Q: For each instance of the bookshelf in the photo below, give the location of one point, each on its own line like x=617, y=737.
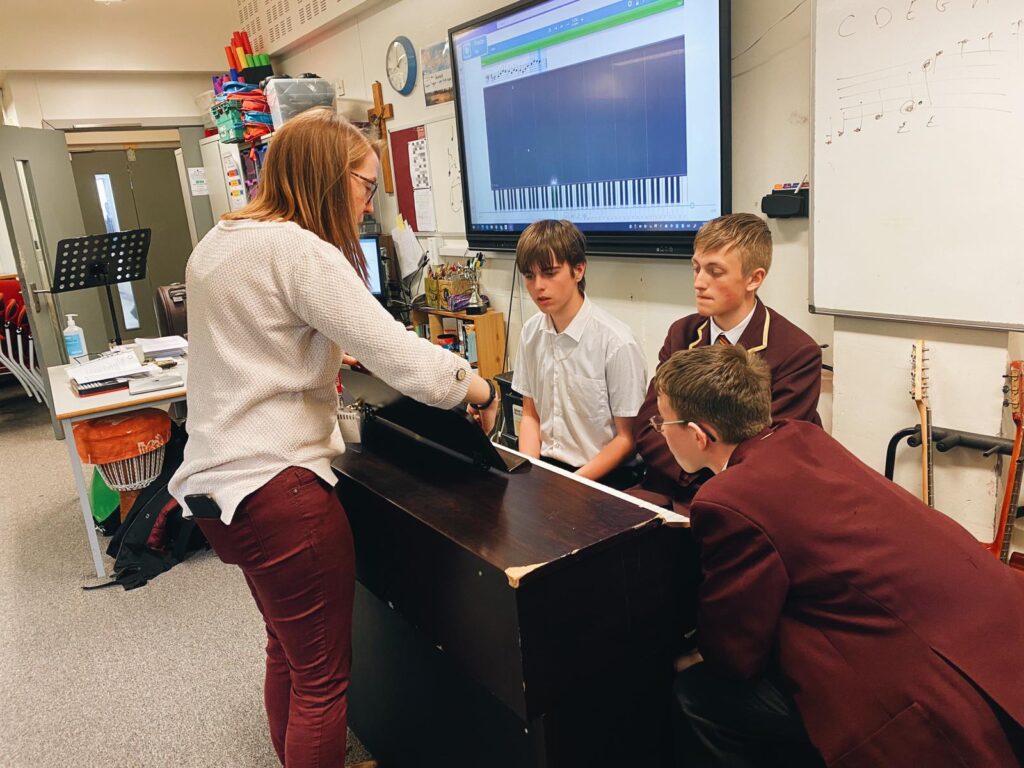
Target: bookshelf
x=490, y=335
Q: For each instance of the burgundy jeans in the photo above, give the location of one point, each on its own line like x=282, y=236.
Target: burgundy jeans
x=292, y=540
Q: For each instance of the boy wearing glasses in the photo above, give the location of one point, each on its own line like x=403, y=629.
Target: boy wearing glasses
x=732, y=256
x=827, y=634
x=580, y=370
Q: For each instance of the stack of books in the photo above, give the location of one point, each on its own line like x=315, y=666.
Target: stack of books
x=108, y=373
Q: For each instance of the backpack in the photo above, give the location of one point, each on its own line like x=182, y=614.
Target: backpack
x=154, y=537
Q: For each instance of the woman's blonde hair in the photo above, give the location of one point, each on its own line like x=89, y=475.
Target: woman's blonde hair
x=305, y=179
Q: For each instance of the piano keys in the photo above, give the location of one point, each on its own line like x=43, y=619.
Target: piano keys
x=620, y=193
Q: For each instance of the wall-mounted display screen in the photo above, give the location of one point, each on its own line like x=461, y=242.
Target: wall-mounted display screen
x=613, y=114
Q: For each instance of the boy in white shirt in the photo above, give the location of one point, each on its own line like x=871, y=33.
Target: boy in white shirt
x=580, y=370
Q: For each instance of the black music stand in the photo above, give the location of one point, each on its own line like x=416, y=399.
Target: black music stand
x=101, y=260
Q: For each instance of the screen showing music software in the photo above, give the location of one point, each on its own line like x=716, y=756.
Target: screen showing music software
x=604, y=113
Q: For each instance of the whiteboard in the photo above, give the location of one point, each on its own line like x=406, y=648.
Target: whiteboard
x=918, y=160
x=446, y=176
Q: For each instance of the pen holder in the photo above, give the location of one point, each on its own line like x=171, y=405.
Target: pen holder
x=350, y=422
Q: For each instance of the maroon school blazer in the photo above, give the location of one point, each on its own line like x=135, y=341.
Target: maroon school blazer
x=795, y=362
x=894, y=627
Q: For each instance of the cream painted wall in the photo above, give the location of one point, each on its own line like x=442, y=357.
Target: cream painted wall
x=771, y=122
x=872, y=401
x=43, y=97
x=648, y=293
x=7, y=264
x=134, y=36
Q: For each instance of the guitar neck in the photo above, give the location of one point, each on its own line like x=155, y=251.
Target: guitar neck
x=927, y=455
x=1009, y=511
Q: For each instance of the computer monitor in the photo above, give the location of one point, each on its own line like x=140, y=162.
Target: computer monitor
x=374, y=265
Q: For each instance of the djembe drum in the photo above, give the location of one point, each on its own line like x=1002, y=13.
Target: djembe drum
x=127, y=449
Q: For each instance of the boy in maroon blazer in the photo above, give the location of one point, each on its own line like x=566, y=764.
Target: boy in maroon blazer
x=891, y=629
x=732, y=256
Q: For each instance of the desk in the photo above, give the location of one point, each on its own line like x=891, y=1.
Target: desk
x=512, y=621
x=69, y=408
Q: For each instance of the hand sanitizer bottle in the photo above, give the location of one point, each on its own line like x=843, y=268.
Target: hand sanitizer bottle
x=74, y=339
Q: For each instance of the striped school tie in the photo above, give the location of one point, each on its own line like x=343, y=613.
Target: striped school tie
x=723, y=340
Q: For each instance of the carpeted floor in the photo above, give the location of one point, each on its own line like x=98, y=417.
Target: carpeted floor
x=170, y=674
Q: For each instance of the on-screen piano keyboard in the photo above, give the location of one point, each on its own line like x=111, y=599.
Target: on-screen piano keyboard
x=654, y=190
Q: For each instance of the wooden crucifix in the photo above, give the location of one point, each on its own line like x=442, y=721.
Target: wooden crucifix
x=379, y=116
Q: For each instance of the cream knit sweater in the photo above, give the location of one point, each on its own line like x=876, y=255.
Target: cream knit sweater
x=270, y=309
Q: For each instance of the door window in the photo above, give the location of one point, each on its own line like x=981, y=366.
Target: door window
x=109, y=210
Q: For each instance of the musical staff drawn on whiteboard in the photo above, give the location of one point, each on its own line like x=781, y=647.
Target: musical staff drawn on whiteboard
x=913, y=93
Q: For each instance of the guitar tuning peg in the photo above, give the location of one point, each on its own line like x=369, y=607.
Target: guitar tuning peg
x=1006, y=388
x=1006, y=402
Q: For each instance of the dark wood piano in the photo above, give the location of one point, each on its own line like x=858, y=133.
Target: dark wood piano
x=522, y=619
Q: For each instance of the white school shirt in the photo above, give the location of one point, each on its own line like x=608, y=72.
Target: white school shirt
x=579, y=380
x=733, y=334
x=270, y=308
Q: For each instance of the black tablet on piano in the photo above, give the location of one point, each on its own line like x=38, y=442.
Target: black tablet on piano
x=452, y=431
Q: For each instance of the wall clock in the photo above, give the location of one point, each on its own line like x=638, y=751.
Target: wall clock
x=401, y=65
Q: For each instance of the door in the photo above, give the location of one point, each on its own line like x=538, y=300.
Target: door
x=37, y=191
x=121, y=190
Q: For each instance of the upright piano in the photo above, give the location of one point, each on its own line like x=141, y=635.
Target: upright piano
x=524, y=619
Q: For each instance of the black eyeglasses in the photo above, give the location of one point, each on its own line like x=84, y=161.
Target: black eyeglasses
x=371, y=185
x=658, y=425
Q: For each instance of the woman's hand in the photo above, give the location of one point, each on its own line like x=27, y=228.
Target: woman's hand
x=352, y=363
x=485, y=417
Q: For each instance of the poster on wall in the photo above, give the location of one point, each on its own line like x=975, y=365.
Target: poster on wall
x=197, y=181
x=423, y=195
x=437, y=74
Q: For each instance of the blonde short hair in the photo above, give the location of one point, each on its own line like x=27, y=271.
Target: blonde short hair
x=747, y=233
x=724, y=386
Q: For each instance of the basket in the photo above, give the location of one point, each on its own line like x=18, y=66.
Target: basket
x=135, y=473
x=227, y=115
x=350, y=422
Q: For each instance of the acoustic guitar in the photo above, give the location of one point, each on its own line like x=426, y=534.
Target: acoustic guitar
x=1008, y=510
x=919, y=391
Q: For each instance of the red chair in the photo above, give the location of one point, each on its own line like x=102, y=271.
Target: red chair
x=7, y=366
x=27, y=350
x=12, y=353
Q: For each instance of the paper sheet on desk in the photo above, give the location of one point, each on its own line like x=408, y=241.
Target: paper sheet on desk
x=117, y=365
x=408, y=248
x=162, y=344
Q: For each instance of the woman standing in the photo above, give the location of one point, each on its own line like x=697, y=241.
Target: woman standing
x=276, y=292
